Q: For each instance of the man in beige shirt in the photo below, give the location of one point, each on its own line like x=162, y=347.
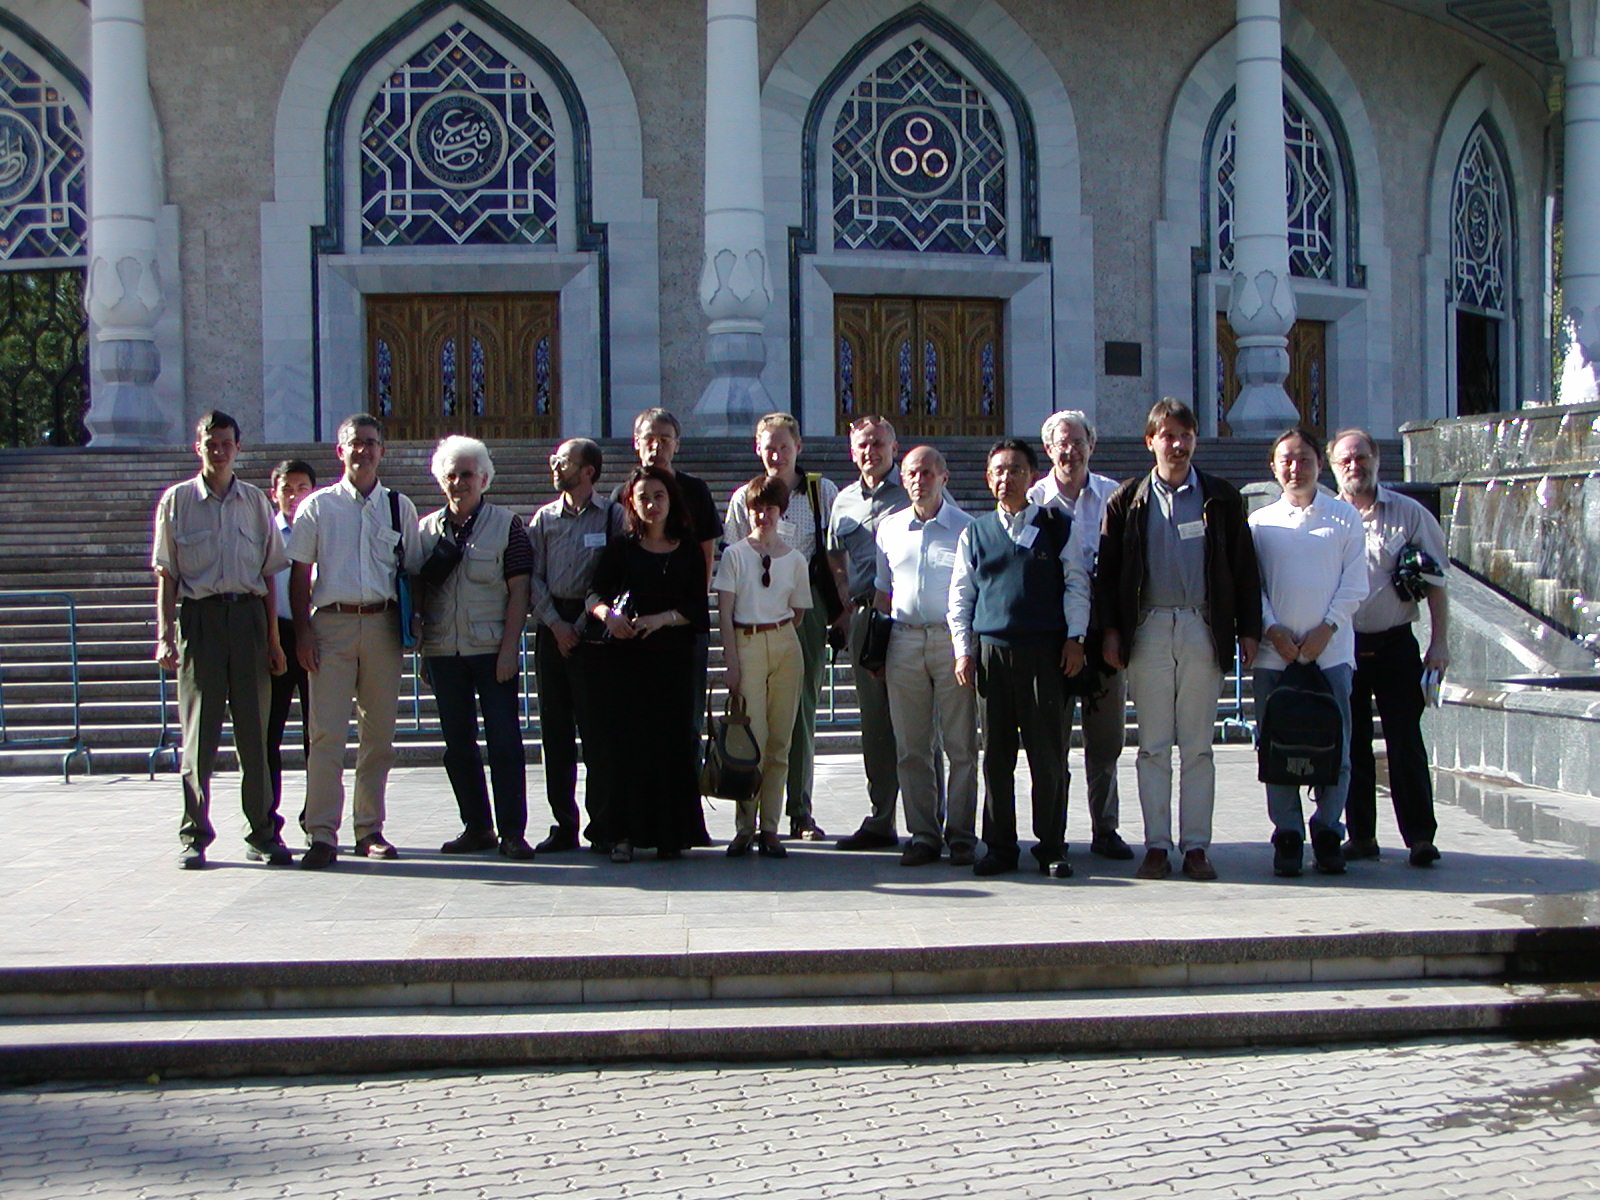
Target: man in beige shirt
x=347, y=634
x=215, y=551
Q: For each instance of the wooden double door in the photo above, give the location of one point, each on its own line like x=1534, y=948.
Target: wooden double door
x=482, y=364
x=1307, y=384
x=933, y=366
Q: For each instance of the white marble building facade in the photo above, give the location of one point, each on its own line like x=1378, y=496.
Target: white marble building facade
x=701, y=188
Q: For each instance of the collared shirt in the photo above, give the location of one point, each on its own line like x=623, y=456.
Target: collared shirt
x=1393, y=522
x=916, y=559
x=798, y=528
x=1313, y=568
x=1175, y=545
x=964, y=586
x=567, y=543
x=212, y=544
x=351, y=541
x=853, y=526
x=1089, y=508
x=280, y=581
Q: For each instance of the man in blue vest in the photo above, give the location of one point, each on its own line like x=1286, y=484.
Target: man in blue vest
x=1019, y=609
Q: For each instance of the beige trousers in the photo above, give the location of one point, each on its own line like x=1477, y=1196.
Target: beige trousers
x=360, y=660
x=770, y=674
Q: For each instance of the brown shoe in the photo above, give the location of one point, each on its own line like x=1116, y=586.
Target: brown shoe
x=1197, y=866
x=375, y=845
x=1156, y=865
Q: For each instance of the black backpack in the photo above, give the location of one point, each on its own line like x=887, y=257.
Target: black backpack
x=1299, y=735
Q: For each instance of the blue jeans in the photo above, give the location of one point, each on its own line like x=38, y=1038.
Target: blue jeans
x=464, y=684
x=1283, y=800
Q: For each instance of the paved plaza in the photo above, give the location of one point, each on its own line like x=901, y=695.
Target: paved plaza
x=1455, y=1118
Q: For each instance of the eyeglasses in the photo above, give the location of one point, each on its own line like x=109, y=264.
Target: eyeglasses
x=560, y=460
x=766, y=570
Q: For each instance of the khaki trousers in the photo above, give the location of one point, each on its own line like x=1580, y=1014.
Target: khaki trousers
x=360, y=660
x=931, y=710
x=770, y=673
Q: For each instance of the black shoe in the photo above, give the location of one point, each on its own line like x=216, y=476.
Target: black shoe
x=768, y=846
x=602, y=847
x=516, y=848
x=470, y=842
x=1110, y=845
x=806, y=830
x=962, y=856
x=919, y=854
x=558, y=841
x=274, y=855
x=375, y=845
x=191, y=858
x=863, y=839
x=993, y=864
x=1424, y=854
x=1288, y=854
x=319, y=856
x=668, y=854
x=1361, y=848
x=1325, y=853
x=1061, y=870
x=740, y=846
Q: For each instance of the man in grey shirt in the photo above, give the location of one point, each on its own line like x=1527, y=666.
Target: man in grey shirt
x=853, y=551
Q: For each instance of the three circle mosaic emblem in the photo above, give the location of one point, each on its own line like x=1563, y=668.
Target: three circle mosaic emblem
x=458, y=140
x=919, y=152
x=21, y=156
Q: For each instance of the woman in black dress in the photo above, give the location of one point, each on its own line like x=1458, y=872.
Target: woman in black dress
x=650, y=590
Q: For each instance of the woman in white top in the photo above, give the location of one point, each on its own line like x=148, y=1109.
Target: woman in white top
x=763, y=592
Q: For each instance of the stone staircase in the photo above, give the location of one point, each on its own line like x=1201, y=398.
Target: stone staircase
x=85, y=520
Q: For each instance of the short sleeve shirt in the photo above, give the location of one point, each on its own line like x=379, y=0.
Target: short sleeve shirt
x=213, y=545
x=1394, y=522
x=755, y=603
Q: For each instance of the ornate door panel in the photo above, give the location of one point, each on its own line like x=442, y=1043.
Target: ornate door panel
x=1307, y=384
x=931, y=365
x=478, y=364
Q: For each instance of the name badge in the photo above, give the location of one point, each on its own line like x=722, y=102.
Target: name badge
x=1396, y=542
x=594, y=541
x=1189, y=530
x=1028, y=536
x=786, y=529
x=939, y=556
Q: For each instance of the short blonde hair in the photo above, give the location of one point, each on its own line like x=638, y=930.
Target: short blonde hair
x=779, y=420
x=456, y=447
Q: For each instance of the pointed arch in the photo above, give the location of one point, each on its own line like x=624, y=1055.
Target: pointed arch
x=1046, y=275
x=314, y=273
x=1190, y=288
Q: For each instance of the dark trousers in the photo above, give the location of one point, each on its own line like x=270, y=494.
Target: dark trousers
x=222, y=673
x=464, y=686
x=878, y=752
x=570, y=708
x=285, y=687
x=1389, y=675
x=1023, y=698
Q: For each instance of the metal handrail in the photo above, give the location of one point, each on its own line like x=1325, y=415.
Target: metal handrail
x=74, y=740
x=171, y=738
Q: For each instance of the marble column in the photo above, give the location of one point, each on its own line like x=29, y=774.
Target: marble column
x=735, y=284
x=1579, y=27
x=1262, y=307
x=124, y=292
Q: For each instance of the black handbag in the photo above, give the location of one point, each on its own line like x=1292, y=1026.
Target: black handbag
x=874, y=652
x=819, y=569
x=1300, y=734
x=732, y=768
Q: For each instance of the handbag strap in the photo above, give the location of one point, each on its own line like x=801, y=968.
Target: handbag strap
x=394, y=521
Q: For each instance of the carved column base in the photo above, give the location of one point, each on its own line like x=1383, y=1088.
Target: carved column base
x=735, y=398
x=1263, y=408
x=124, y=409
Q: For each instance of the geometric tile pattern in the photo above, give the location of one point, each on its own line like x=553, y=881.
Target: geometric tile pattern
x=919, y=161
x=1478, y=227
x=1309, y=190
x=458, y=149
x=43, y=201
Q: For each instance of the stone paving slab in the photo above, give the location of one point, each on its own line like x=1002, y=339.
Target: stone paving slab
x=96, y=882
x=1415, y=1121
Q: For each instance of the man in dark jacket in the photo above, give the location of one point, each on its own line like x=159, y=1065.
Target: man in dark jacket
x=1175, y=586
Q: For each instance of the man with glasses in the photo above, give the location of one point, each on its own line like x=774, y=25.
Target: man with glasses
x=1389, y=665
x=568, y=536
x=346, y=543
x=1069, y=439
x=1019, y=609
x=853, y=552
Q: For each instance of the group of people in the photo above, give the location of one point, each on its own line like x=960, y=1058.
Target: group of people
x=1073, y=595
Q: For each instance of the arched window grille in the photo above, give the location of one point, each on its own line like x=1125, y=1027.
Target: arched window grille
x=458, y=148
x=1311, y=188
x=1478, y=239
x=919, y=161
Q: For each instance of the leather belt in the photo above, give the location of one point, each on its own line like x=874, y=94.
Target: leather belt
x=225, y=598
x=764, y=627
x=358, y=610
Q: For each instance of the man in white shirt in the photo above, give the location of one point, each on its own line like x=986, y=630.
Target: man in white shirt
x=1312, y=556
x=355, y=534
x=1019, y=609
x=292, y=481
x=1389, y=665
x=1069, y=440
x=928, y=708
